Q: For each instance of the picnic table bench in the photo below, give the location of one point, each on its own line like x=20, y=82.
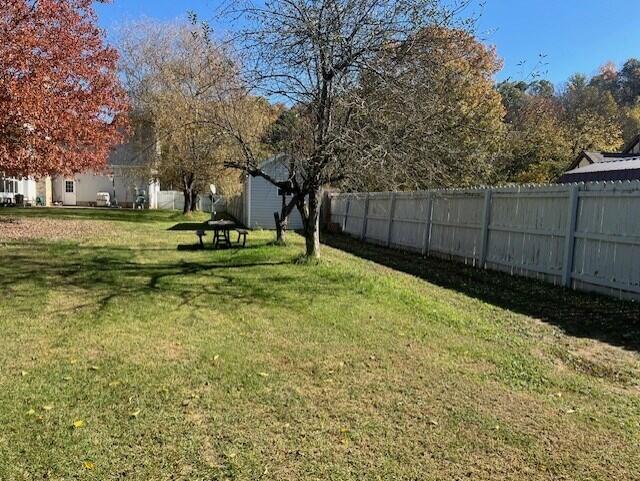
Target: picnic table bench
x=222, y=233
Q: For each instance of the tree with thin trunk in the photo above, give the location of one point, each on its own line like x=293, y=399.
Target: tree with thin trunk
x=177, y=77
x=313, y=54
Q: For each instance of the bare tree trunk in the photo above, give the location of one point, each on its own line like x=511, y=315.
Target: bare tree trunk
x=311, y=219
x=186, y=209
x=281, y=227
x=282, y=218
x=282, y=221
x=194, y=200
x=188, y=191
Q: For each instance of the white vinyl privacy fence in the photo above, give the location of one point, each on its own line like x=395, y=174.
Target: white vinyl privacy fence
x=174, y=200
x=584, y=236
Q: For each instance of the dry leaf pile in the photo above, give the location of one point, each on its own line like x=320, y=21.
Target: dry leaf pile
x=17, y=229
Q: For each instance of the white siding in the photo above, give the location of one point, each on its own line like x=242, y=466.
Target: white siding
x=123, y=186
x=26, y=187
x=88, y=186
x=264, y=199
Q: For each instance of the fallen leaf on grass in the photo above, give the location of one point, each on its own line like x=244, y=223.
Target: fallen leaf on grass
x=31, y=412
x=79, y=423
x=89, y=465
x=48, y=407
x=23, y=373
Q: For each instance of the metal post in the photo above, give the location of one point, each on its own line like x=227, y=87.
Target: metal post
x=365, y=214
x=392, y=208
x=484, y=231
x=569, y=245
x=427, y=227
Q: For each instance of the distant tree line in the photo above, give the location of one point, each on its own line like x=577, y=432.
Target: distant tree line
x=443, y=121
x=546, y=129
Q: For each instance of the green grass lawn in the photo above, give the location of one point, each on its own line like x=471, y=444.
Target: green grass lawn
x=123, y=356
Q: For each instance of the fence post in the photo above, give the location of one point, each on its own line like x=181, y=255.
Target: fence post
x=427, y=227
x=365, y=214
x=392, y=208
x=346, y=214
x=569, y=244
x=484, y=230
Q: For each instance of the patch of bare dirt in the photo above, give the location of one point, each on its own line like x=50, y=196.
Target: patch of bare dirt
x=20, y=229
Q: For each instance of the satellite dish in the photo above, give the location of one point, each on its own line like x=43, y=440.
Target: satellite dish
x=213, y=188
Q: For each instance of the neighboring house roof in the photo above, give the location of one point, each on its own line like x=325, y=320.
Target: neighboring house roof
x=605, y=165
x=594, y=157
x=626, y=167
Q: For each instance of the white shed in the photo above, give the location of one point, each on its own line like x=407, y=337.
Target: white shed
x=261, y=199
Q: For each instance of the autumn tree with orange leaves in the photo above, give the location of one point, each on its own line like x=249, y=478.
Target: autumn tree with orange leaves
x=61, y=105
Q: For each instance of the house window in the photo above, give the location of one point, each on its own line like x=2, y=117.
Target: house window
x=8, y=186
x=68, y=186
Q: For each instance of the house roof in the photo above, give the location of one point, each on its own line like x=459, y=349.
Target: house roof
x=625, y=167
x=613, y=165
x=595, y=157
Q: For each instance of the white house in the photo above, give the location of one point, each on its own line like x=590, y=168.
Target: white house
x=260, y=199
x=9, y=187
x=123, y=183
x=126, y=175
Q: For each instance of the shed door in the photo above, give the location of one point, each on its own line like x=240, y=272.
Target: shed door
x=69, y=192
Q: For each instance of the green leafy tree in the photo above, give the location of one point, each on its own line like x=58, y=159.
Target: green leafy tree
x=591, y=117
x=629, y=82
x=537, y=148
x=439, y=123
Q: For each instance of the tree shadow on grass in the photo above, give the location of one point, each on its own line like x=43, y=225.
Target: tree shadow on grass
x=578, y=314
x=102, y=275
x=208, y=246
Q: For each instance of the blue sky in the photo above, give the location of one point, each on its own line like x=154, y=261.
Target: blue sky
x=574, y=35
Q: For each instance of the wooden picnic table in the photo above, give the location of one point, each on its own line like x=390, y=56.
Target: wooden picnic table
x=221, y=232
